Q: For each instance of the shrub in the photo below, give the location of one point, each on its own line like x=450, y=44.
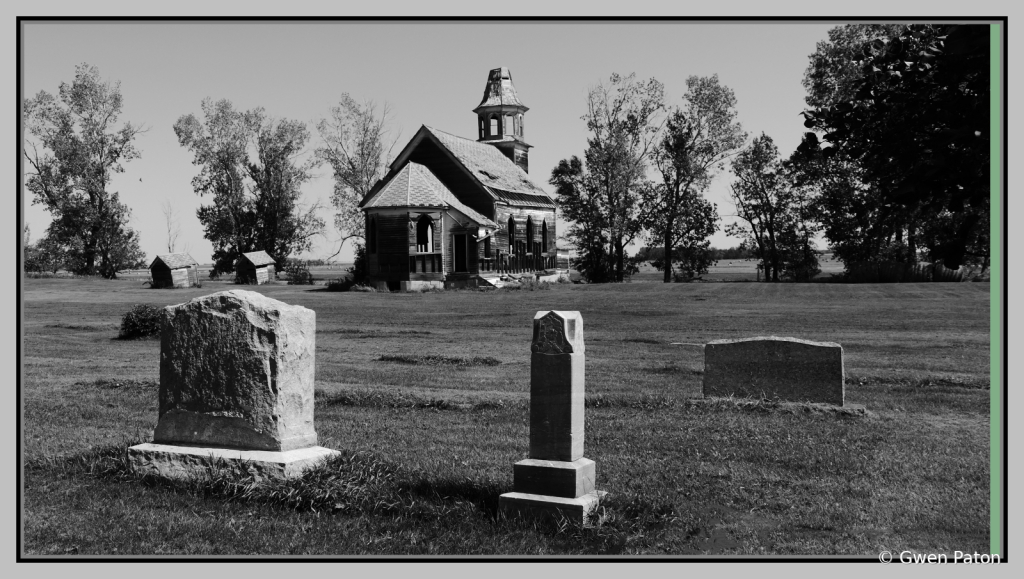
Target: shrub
x=141, y=321
x=528, y=284
x=298, y=273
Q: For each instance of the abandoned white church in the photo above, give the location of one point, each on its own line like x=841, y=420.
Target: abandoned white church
x=454, y=212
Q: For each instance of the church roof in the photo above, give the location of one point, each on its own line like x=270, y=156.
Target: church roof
x=494, y=170
x=258, y=258
x=416, y=186
x=175, y=260
x=500, y=91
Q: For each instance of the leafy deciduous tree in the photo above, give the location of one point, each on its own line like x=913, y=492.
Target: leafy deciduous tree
x=778, y=216
x=82, y=149
x=695, y=143
x=250, y=165
x=357, y=146
x=602, y=195
x=917, y=125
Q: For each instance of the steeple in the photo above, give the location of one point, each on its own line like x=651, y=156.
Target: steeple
x=500, y=118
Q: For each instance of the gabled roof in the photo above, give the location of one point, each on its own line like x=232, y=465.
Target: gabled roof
x=499, y=90
x=416, y=186
x=491, y=167
x=175, y=260
x=258, y=258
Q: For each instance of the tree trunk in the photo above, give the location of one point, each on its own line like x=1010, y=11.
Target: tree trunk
x=668, y=250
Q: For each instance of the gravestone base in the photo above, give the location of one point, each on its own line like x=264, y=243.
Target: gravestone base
x=554, y=477
x=182, y=462
x=577, y=509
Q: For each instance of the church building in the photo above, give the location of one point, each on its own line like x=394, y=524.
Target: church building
x=454, y=212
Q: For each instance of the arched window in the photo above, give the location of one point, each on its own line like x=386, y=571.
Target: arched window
x=494, y=127
x=371, y=236
x=425, y=234
x=544, y=236
x=512, y=235
x=529, y=234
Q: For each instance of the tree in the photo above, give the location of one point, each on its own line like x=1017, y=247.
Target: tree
x=917, y=125
x=778, y=216
x=250, y=166
x=602, y=195
x=356, y=145
x=697, y=140
x=82, y=149
x=173, y=226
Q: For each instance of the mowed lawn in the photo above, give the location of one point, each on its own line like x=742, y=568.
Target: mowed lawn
x=684, y=477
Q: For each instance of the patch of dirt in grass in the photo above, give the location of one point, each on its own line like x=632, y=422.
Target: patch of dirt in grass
x=778, y=406
x=378, y=399
x=921, y=382
x=674, y=369
x=372, y=333
x=84, y=327
x=434, y=360
x=119, y=383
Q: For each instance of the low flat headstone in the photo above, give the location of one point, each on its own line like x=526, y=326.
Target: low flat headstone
x=556, y=478
x=236, y=380
x=786, y=368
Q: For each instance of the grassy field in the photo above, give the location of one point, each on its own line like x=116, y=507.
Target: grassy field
x=430, y=446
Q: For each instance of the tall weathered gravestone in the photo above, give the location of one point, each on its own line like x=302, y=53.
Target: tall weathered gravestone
x=556, y=478
x=236, y=383
x=787, y=368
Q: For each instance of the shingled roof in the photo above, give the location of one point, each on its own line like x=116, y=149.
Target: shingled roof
x=258, y=258
x=493, y=169
x=175, y=260
x=416, y=186
x=500, y=91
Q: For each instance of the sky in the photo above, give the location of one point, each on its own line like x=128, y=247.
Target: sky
x=430, y=73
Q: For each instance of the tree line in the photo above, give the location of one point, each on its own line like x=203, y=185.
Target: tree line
x=252, y=167
x=894, y=169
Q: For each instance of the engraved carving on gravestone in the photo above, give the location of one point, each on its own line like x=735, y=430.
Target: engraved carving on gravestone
x=557, y=332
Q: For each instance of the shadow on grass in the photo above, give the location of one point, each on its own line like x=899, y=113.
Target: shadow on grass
x=364, y=485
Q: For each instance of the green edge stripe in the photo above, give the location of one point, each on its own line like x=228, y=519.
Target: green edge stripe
x=995, y=285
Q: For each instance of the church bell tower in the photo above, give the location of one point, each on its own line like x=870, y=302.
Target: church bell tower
x=500, y=118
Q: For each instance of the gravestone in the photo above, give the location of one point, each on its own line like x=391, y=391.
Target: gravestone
x=791, y=369
x=236, y=385
x=556, y=478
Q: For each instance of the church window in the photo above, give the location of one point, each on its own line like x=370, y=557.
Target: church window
x=425, y=235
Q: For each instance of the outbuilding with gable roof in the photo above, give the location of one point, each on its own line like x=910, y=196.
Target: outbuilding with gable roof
x=174, y=270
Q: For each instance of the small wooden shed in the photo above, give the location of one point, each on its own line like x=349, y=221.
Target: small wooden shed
x=254, y=267
x=174, y=270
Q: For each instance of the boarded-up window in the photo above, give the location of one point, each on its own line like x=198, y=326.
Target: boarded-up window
x=512, y=235
x=544, y=235
x=529, y=232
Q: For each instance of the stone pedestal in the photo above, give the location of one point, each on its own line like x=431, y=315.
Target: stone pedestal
x=236, y=383
x=555, y=479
